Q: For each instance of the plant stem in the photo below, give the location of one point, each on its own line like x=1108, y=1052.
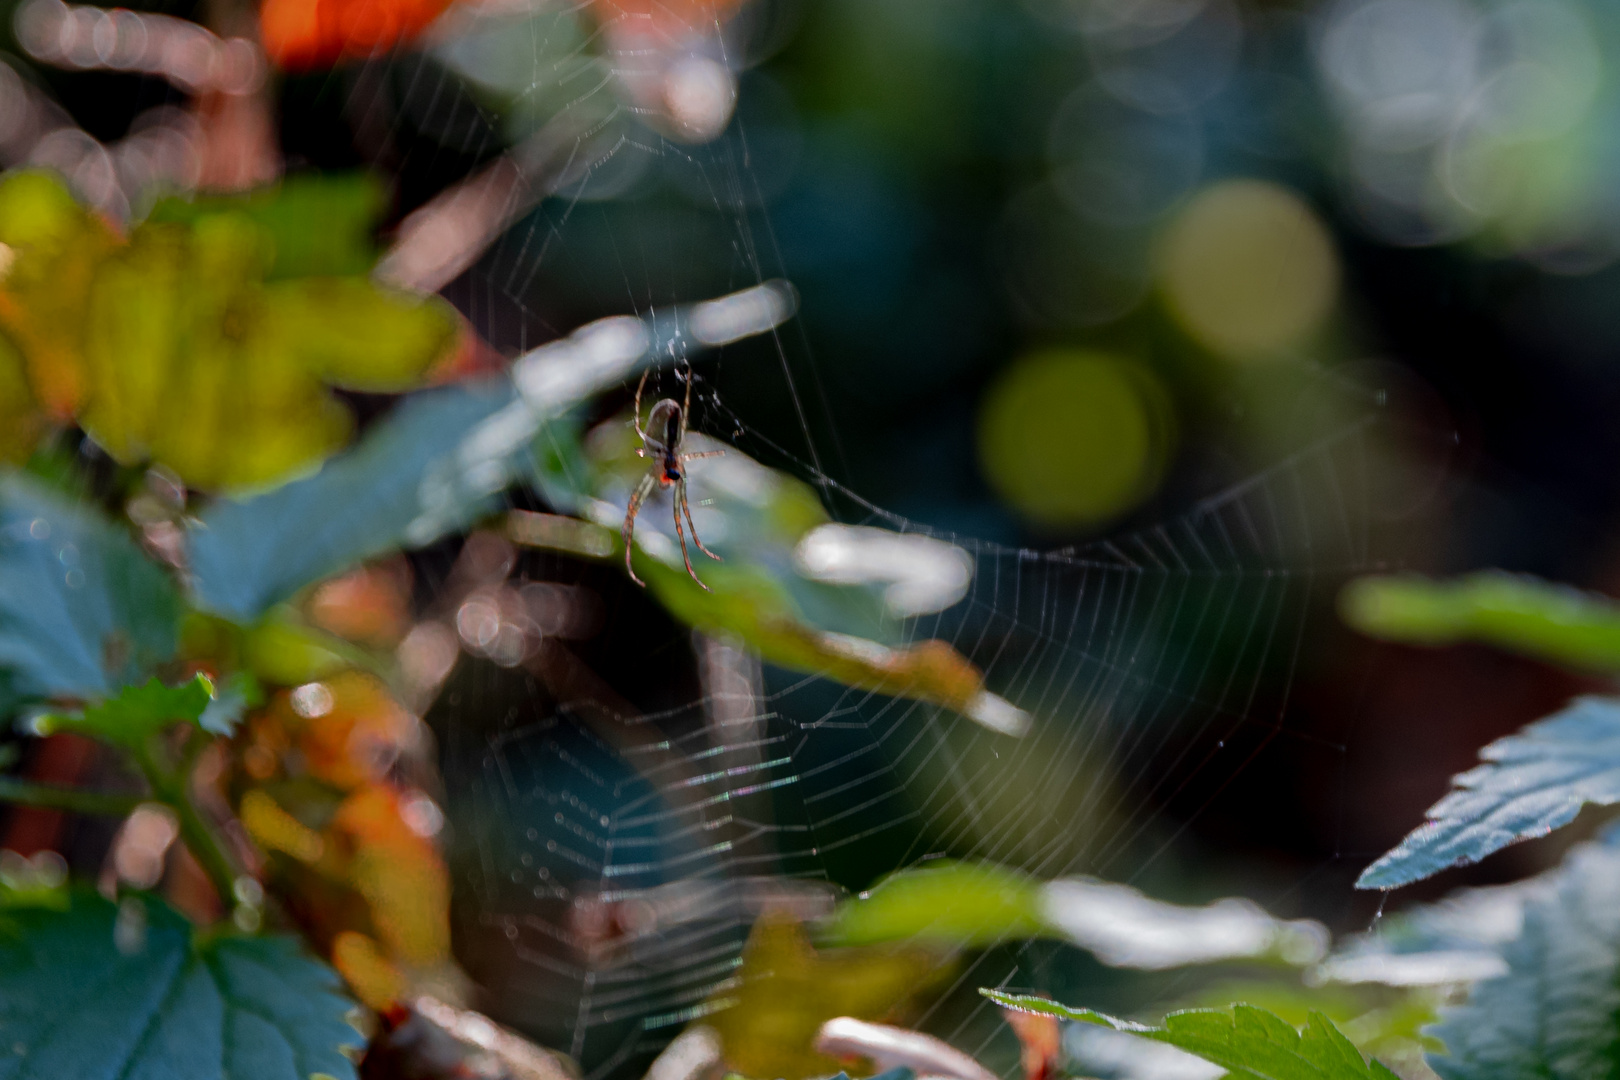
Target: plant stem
x=170, y=787
x=73, y=800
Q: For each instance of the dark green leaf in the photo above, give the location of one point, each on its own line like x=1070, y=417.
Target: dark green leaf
x=1529, y=784
x=1251, y=1043
x=1510, y=611
x=1556, y=1014
x=82, y=610
x=108, y=992
x=137, y=712
x=319, y=225
x=249, y=554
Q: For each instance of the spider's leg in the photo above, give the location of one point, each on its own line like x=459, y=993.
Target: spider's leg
x=642, y=491
x=702, y=454
x=678, y=501
x=686, y=410
x=642, y=385
x=686, y=508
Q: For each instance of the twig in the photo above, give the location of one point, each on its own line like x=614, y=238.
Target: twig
x=73, y=800
x=170, y=789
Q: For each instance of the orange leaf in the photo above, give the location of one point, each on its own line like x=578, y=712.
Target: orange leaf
x=399, y=874
x=368, y=605
x=371, y=976
x=347, y=727
x=1040, y=1040
x=303, y=34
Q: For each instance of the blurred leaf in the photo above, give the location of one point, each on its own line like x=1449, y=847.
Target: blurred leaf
x=1040, y=1042
x=1452, y=942
x=357, y=867
x=137, y=712
x=960, y=903
x=748, y=602
x=283, y=652
x=785, y=991
x=397, y=871
x=360, y=336
x=240, y=693
x=369, y=606
x=82, y=610
x=193, y=344
x=320, y=224
x=188, y=367
x=373, y=978
x=303, y=34
x=1530, y=783
x=1252, y=1043
x=1556, y=1013
x=105, y=990
x=21, y=422
x=54, y=247
x=976, y=904
x=250, y=554
x=841, y=632
x=352, y=736
x=1511, y=611
x=199, y=364
x=274, y=829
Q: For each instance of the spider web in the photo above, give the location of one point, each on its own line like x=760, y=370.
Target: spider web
x=621, y=855
x=618, y=828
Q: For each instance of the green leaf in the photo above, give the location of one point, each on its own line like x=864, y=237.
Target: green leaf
x=1556, y=1014
x=748, y=600
x=1529, y=784
x=283, y=651
x=126, y=992
x=137, y=712
x=248, y=555
x=1511, y=611
x=962, y=903
x=1251, y=1043
x=82, y=610
x=320, y=225
x=241, y=693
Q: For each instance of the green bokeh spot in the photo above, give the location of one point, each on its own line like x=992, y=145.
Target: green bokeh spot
x=1072, y=438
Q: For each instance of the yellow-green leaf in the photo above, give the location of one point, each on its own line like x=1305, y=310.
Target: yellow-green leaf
x=52, y=248
x=21, y=422
x=196, y=363
x=353, y=334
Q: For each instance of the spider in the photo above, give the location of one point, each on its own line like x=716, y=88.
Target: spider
x=662, y=439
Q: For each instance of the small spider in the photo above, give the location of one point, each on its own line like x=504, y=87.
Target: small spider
x=662, y=439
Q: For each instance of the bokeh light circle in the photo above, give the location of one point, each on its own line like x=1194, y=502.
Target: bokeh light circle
x=1248, y=269
x=1072, y=438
